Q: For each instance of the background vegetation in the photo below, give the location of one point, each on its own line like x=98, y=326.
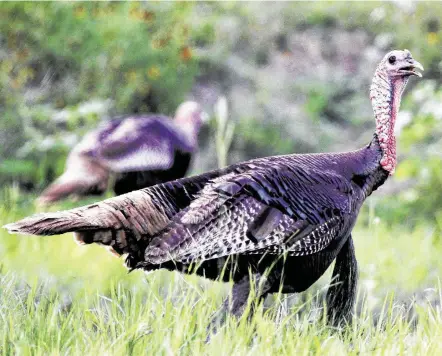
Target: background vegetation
x=65, y=66
x=296, y=78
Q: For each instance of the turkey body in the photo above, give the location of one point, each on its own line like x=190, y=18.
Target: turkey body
x=292, y=245
x=282, y=218
x=140, y=151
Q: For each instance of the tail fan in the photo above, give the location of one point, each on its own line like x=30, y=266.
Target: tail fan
x=135, y=211
x=125, y=223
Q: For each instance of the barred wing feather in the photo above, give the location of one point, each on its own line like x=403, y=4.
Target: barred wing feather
x=260, y=211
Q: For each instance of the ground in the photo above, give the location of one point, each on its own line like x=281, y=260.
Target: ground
x=60, y=298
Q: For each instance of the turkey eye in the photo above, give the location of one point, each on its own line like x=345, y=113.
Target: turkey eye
x=392, y=59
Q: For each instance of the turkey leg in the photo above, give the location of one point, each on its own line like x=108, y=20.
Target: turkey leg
x=237, y=303
x=341, y=294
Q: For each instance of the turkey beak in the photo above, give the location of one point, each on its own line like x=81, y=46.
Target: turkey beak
x=417, y=65
x=410, y=68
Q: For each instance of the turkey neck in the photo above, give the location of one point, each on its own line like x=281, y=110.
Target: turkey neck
x=385, y=95
x=189, y=130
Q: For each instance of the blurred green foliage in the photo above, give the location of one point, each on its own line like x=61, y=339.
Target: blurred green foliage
x=57, y=55
x=413, y=25
x=420, y=146
x=260, y=137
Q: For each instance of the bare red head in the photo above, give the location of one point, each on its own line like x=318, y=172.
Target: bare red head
x=388, y=84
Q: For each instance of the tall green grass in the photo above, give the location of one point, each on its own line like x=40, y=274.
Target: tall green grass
x=60, y=298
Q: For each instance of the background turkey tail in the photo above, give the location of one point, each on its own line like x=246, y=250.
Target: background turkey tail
x=60, y=190
x=82, y=176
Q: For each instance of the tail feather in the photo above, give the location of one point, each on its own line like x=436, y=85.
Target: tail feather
x=117, y=213
x=124, y=224
x=45, y=224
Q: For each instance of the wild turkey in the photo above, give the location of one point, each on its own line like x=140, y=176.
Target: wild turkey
x=274, y=223
x=142, y=150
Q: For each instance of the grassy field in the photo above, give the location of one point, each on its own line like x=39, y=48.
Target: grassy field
x=60, y=298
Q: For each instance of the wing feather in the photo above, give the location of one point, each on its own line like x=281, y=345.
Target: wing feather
x=302, y=216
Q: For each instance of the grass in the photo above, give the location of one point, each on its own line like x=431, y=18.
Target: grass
x=60, y=298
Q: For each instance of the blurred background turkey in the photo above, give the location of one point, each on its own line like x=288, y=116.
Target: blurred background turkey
x=140, y=150
x=295, y=76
